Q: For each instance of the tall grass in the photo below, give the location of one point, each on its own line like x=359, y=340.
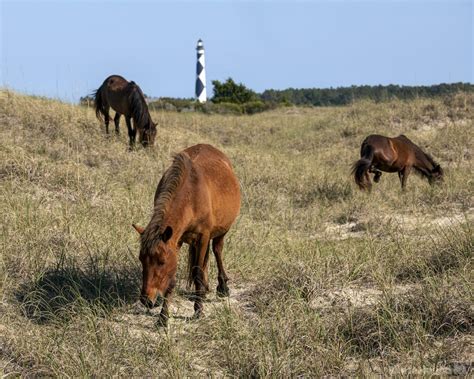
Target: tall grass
x=325, y=280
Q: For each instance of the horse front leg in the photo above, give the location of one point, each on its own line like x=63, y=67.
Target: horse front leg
x=131, y=132
x=403, y=176
x=164, y=314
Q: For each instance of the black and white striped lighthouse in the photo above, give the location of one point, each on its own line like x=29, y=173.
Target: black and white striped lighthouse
x=200, y=74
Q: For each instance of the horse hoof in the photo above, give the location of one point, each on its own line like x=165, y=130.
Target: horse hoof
x=161, y=322
x=223, y=291
x=197, y=315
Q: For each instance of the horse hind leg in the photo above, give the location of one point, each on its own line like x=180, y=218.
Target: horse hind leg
x=117, y=123
x=205, y=270
x=217, y=247
x=377, y=176
x=199, y=276
x=106, y=119
x=131, y=132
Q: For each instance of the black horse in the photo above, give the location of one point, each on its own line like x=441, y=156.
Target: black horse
x=127, y=99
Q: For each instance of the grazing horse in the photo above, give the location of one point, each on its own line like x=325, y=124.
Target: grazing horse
x=127, y=99
x=399, y=154
x=196, y=201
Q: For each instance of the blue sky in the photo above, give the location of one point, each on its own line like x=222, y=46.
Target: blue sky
x=66, y=49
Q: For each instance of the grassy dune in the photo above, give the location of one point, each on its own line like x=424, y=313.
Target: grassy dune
x=325, y=280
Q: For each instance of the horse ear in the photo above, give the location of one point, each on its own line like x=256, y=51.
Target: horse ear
x=139, y=229
x=167, y=234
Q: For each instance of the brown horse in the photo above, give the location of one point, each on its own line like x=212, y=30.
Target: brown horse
x=399, y=154
x=127, y=99
x=197, y=200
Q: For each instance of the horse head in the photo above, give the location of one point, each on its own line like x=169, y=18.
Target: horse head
x=159, y=262
x=436, y=174
x=147, y=136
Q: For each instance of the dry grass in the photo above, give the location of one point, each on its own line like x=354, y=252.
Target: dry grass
x=325, y=280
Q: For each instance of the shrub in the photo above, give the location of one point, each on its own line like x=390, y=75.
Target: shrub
x=231, y=92
x=220, y=108
x=173, y=104
x=253, y=107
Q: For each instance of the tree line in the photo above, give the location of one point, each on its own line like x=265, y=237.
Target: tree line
x=346, y=95
x=236, y=98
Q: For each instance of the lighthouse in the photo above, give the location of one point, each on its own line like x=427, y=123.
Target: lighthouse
x=201, y=95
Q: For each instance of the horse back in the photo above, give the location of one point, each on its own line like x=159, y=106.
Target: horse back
x=381, y=145
x=377, y=141
x=216, y=187
x=116, y=90
x=384, y=152
x=405, y=148
x=116, y=83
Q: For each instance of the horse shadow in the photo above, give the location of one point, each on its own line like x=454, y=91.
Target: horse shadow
x=62, y=292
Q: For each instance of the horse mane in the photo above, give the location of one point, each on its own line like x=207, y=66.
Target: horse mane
x=167, y=187
x=139, y=107
x=423, y=160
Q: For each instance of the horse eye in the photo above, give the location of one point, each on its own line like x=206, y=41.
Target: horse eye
x=158, y=258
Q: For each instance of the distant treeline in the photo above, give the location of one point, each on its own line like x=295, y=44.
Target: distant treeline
x=236, y=98
x=346, y=95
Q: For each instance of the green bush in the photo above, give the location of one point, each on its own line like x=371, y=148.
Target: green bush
x=172, y=104
x=255, y=107
x=226, y=108
x=232, y=92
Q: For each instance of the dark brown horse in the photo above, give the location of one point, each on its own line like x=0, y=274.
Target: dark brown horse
x=127, y=99
x=399, y=154
x=197, y=200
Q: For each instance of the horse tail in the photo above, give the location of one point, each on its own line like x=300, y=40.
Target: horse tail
x=99, y=103
x=360, y=167
x=138, y=106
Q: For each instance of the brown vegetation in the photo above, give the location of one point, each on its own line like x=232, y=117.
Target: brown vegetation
x=325, y=280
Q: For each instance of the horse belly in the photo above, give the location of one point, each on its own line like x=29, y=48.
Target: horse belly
x=190, y=237
x=226, y=206
x=386, y=168
x=118, y=101
x=384, y=160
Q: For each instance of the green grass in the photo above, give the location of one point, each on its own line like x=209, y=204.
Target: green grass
x=325, y=280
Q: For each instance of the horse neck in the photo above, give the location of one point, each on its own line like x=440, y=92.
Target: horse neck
x=177, y=216
x=423, y=163
x=140, y=110
x=145, y=117
x=170, y=205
